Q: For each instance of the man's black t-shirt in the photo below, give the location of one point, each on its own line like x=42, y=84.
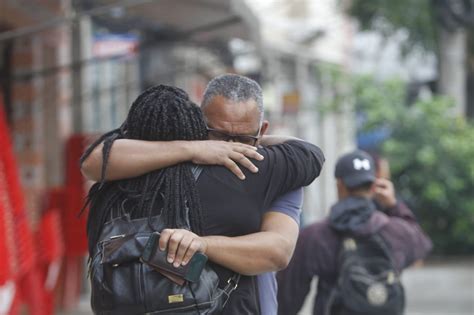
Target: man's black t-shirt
x=234, y=207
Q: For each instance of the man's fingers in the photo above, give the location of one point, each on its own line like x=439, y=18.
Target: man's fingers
x=164, y=238
x=173, y=244
x=380, y=191
x=384, y=186
x=234, y=168
x=382, y=182
x=182, y=249
x=385, y=193
x=192, y=249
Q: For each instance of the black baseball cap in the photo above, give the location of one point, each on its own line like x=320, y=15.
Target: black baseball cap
x=355, y=169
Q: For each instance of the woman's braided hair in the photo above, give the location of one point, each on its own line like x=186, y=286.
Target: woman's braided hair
x=160, y=113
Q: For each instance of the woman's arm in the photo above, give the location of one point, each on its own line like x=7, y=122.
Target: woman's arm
x=131, y=158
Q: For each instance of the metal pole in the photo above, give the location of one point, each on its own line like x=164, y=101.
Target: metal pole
x=76, y=72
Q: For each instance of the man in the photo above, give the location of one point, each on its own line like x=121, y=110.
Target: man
x=317, y=249
x=233, y=108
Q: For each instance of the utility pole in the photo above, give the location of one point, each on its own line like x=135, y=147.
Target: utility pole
x=76, y=57
x=452, y=67
x=455, y=18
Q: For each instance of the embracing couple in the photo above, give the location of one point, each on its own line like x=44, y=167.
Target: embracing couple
x=242, y=211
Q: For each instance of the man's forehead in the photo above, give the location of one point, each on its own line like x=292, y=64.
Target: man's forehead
x=222, y=107
x=220, y=102
x=232, y=116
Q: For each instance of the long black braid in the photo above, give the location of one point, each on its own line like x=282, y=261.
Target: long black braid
x=161, y=113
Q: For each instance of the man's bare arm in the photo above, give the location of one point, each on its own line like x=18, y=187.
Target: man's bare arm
x=268, y=250
x=131, y=158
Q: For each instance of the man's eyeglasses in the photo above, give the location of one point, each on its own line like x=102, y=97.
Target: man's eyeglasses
x=223, y=136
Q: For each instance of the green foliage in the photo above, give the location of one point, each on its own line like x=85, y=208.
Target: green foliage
x=388, y=17
x=431, y=154
x=332, y=78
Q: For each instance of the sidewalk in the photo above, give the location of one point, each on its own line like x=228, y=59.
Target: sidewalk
x=442, y=288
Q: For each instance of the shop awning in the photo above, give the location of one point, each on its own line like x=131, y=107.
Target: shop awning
x=199, y=20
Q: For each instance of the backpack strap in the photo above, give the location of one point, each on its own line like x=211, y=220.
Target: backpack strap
x=334, y=293
x=333, y=296
x=383, y=244
x=196, y=170
x=231, y=286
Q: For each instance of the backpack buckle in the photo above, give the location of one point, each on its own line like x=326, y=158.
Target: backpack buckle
x=231, y=281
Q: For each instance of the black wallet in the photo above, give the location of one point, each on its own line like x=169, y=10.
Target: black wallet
x=157, y=259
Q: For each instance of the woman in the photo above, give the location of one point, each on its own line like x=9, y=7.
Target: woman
x=160, y=113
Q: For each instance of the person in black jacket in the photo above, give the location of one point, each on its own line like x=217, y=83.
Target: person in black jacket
x=316, y=253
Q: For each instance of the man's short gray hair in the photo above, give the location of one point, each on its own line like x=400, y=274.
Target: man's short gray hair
x=235, y=88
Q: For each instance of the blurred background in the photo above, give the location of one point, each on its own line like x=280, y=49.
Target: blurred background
x=395, y=78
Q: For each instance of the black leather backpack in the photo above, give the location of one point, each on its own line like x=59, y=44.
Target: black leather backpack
x=123, y=284
x=368, y=282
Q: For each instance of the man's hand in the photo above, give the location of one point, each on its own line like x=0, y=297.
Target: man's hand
x=385, y=193
x=228, y=154
x=181, y=245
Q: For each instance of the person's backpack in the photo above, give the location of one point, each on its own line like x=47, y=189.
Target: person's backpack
x=123, y=284
x=368, y=282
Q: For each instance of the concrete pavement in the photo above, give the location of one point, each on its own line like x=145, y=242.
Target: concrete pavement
x=440, y=288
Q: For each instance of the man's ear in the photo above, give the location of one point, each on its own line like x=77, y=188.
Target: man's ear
x=264, y=127
x=341, y=189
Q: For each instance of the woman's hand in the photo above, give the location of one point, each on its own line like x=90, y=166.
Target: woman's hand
x=228, y=154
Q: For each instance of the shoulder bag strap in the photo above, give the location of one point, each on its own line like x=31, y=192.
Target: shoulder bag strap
x=196, y=170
